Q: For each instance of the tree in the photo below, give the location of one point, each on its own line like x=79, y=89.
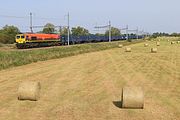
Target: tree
x=99, y=34
x=64, y=31
x=5, y=38
x=175, y=34
x=8, y=33
x=49, y=28
x=157, y=34
x=10, y=30
x=114, y=32
x=79, y=31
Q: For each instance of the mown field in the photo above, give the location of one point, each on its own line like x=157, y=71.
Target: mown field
x=88, y=86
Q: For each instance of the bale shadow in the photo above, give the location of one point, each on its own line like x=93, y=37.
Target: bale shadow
x=118, y=104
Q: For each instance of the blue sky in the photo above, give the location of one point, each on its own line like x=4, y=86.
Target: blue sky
x=148, y=15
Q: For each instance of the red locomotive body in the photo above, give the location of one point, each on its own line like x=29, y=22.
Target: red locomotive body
x=43, y=37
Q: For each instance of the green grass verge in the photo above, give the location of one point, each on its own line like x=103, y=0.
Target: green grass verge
x=1, y=45
x=22, y=57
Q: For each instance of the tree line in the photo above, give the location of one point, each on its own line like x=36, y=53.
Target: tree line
x=162, y=34
x=76, y=31
x=8, y=33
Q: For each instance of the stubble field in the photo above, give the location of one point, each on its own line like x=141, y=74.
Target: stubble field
x=88, y=86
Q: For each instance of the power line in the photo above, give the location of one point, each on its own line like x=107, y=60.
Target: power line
x=105, y=26
x=48, y=26
x=26, y=17
x=126, y=28
x=98, y=27
x=12, y=16
x=31, y=17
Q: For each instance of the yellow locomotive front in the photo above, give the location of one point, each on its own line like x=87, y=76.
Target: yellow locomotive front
x=20, y=38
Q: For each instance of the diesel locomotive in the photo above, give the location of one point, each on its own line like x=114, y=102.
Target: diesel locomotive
x=28, y=40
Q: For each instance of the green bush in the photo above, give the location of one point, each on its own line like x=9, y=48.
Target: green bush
x=1, y=45
x=8, y=33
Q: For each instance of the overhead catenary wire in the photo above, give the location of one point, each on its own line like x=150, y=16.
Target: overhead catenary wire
x=126, y=28
x=105, y=26
x=12, y=16
x=35, y=17
x=135, y=31
x=31, y=18
x=27, y=17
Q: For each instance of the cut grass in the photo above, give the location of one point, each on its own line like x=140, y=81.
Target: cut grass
x=22, y=57
x=86, y=86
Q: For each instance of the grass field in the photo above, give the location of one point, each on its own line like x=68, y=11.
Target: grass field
x=10, y=56
x=88, y=86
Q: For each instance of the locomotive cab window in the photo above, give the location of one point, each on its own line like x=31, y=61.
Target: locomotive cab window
x=17, y=37
x=22, y=37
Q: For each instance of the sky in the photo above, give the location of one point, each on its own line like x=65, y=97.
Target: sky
x=148, y=15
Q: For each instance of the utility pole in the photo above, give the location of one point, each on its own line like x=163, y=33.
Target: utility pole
x=60, y=31
x=107, y=27
x=68, y=28
x=109, y=31
x=31, y=23
x=125, y=29
x=127, y=32
x=137, y=33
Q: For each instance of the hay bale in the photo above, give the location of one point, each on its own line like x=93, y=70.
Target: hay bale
x=29, y=91
x=154, y=50
x=132, y=97
x=158, y=43
x=120, y=45
x=146, y=45
x=178, y=42
x=127, y=49
x=172, y=42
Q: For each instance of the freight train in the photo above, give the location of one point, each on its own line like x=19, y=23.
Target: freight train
x=29, y=40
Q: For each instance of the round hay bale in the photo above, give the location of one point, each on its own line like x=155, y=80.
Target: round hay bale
x=158, y=43
x=172, y=42
x=178, y=42
x=29, y=91
x=127, y=49
x=154, y=50
x=146, y=45
x=120, y=45
x=132, y=97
